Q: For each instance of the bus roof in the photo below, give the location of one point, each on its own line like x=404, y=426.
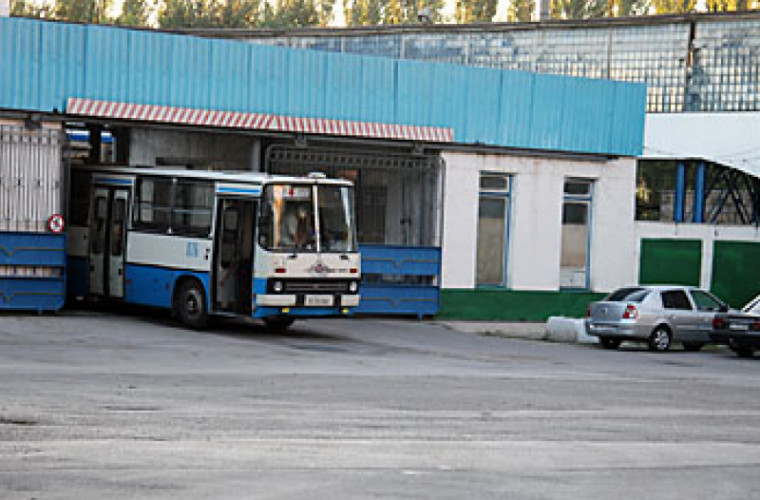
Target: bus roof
x=226, y=176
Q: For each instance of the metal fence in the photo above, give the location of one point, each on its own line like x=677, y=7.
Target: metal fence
x=692, y=63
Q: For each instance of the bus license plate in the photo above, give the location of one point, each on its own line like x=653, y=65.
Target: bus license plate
x=319, y=300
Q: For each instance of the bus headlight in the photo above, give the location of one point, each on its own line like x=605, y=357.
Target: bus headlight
x=353, y=286
x=277, y=286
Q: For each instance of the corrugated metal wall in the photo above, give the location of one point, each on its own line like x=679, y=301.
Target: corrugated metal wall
x=44, y=63
x=30, y=178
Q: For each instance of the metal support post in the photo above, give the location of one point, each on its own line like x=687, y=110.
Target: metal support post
x=680, y=192
x=699, y=194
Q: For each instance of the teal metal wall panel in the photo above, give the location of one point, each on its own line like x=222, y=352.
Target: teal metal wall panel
x=516, y=103
x=45, y=63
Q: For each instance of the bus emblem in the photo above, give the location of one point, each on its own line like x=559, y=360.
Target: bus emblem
x=320, y=268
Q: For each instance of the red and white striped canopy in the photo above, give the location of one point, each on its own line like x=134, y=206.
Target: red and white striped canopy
x=254, y=121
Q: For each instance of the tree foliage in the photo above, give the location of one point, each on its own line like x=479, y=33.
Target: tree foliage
x=732, y=5
x=579, y=9
x=674, y=6
x=369, y=12
x=521, y=11
x=27, y=8
x=82, y=11
x=474, y=11
x=625, y=8
x=133, y=13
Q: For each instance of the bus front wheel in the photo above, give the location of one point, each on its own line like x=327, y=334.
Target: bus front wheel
x=278, y=324
x=191, y=305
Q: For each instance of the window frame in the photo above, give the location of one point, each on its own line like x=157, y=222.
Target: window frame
x=150, y=227
x=588, y=200
x=676, y=291
x=135, y=224
x=505, y=195
x=697, y=292
x=178, y=212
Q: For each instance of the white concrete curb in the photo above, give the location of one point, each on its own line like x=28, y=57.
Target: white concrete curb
x=561, y=329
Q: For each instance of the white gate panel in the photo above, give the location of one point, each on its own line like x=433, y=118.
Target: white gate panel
x=30, y=178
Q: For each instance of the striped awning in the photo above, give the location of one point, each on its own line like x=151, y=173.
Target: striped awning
x=254, y=121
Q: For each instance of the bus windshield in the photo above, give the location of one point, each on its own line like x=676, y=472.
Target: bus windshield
x=287, y=218
x=288, y=221
x=336, y=223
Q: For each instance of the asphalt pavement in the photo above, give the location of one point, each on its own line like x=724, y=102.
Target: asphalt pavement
x=108, y=404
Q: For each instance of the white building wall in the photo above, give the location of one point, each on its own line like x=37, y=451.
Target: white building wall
x=709, y=234
x=536, y=219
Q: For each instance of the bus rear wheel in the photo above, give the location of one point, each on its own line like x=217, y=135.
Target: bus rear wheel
x=190, y=305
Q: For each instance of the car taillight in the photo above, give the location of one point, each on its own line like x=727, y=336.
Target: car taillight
x=630, y=312
x=756, y=325
x=719, y=323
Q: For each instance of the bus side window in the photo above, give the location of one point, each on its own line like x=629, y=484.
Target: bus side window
x=153, y=204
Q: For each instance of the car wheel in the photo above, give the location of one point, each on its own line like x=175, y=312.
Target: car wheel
x=742, y=350
x=659, y=340
x=278, y=325
x=191, y=305
x=608, y=343
x=693, y=346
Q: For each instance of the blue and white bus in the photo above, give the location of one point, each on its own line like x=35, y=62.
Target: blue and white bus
x=211, y=243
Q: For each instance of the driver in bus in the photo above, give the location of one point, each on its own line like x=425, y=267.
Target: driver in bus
x=298, y=231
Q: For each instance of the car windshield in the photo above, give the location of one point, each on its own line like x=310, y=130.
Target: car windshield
x=336, y=220
x=631, y=294
x=287, y=218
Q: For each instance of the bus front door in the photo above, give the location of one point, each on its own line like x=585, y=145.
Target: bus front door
x=233, y=261
x=107, y=241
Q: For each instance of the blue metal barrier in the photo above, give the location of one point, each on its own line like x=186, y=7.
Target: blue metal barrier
x=400, y=280
x=32, y=271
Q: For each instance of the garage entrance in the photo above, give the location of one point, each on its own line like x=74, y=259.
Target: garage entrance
x=398, y=210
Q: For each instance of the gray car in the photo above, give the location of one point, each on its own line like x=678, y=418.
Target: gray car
x=657, y=315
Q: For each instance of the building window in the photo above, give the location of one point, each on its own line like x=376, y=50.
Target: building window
x=576, y=217
x=493, y=229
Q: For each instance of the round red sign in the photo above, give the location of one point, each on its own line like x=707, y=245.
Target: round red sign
x=55, y=223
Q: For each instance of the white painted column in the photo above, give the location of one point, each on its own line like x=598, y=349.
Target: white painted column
x=255, y=164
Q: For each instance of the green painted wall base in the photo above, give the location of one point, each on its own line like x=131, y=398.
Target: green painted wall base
x=512, y=305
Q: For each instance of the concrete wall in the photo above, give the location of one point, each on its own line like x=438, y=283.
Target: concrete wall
x=533, y=261
x=217, y=151
x=708, y=234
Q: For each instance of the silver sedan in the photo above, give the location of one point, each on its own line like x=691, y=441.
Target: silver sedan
x=657, y=315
